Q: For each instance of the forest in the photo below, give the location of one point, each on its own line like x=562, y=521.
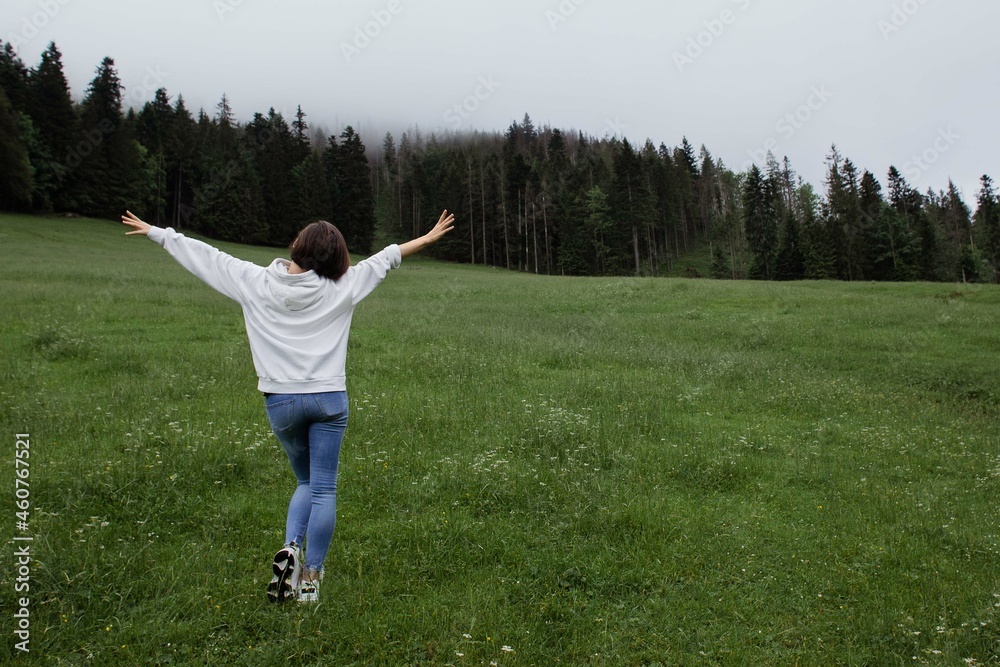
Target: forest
x=533, y=199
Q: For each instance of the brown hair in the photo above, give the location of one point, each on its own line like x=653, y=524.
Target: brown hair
x=320, y=247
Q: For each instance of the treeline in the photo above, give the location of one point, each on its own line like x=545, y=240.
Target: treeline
x=258, y=182
x=530, y=199
x=541, y=201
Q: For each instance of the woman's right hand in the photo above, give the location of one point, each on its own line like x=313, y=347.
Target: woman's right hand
x=137, y=225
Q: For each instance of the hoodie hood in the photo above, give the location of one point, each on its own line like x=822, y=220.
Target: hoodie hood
x=292, y=291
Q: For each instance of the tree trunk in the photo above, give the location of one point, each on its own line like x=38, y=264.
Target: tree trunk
x=534, y=232
x=472, y=227
x=482, y=193
x=635, y=247
x=545, y=228
x=503, y=207
x=177, y=197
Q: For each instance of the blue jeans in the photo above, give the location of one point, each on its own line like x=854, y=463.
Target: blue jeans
x=311, y=428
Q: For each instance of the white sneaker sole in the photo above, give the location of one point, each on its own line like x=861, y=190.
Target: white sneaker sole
x=284, y=584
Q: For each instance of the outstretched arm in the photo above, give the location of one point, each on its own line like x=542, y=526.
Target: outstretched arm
x=444, y=225
x=223, y=273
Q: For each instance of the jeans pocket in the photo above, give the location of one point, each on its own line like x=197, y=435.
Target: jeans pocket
x=281, y=414
x=332, y=404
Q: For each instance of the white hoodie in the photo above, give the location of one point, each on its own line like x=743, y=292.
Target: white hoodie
x=297, y=324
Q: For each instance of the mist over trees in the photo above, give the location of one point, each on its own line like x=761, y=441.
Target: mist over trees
x=533, y=199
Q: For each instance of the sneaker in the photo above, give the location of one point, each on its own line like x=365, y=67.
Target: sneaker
x=309, y=590
x=287, y=568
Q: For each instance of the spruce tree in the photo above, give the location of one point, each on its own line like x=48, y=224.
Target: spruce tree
x=16, y=173
x=331, y=159
x=356, y=206
x=52, y=112
x=153, y=126
x=275, y=151
x=102, y=185
x=301, y=145
x=870, y=223
x=14, y=79
x=988, y=224
x=598, y=224
x=632, y=209
x=312, y=193
x=915, y=229
x=760, y=221
x=790, y=262
x=720, y=266
x=182, y=153
x=956, y=219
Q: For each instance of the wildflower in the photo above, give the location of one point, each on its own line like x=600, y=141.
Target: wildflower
x=506, y=649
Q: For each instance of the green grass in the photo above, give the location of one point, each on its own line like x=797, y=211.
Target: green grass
x=585, y=471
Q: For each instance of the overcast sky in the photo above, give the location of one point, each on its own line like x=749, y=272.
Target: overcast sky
x=915, y=83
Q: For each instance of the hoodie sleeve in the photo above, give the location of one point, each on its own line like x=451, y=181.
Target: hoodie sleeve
x=223, y=273
x=367, y=274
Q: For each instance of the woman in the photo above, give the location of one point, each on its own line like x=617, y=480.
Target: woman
x=298, y=316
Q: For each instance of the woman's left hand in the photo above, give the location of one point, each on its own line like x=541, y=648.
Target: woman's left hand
x=137, y=225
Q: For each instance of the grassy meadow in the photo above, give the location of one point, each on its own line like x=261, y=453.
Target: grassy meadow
x=538, y=470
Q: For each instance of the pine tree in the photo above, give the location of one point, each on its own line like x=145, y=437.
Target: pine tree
x=720, y=266
x=597, y=226
x=988, y=224
x=817, y=246
x=182, y=143
x=274, y=149
x=228, y=203
x=312, y=192
x=760, y=221
x=790, y=263
x=14, y=79
x=332, y=168
x=870, y=223
x=224, y=113
x=688, y=159
x=916, y=231
x=389, y=181
x=683, y=168
x=956, y=219
x=708, y=193
x=51, y=110
x=356, y=205
x=16, y=172
x=44, y=179
x=103, y=188
x=154, y=121
x=632, y=209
